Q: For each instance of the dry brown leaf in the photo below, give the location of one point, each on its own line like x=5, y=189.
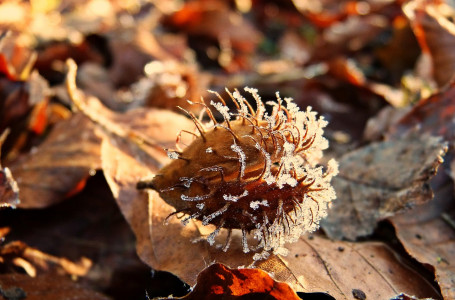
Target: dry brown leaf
x=216, y=20
x=432, y=115
x=435, y=34
x=428, y=234
x=318, y=264
x=125, y=164
x=34, y=261
x=219, y=281
x=350, y=35
x=379, y=180
x=49, y=287
x=60, y=165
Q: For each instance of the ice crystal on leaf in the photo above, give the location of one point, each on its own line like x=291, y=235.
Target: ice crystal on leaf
x=254, y=171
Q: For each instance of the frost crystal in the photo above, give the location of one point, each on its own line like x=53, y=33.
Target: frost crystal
x=242, y=158
x=222, y=109
x=255, y=204
x=235, y=198
x=172, y=154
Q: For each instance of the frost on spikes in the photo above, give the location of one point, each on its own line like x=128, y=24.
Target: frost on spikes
x=255, y=171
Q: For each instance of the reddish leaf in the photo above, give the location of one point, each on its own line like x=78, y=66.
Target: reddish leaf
x=436, y=36
x=216, y=20
x=219, y=281
x=432, y=115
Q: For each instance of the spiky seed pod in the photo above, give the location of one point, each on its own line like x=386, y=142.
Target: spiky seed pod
x=254, y=172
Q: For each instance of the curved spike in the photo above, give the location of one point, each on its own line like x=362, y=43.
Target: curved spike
x=233, y=99
x=197, y=123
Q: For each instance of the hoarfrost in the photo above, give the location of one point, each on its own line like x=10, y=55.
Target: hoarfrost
x=222, y=109
x=261, y=256
x=172, y=154
x=255, y=204
x=194, y=198
x=232, y=198
x=211, y=237
x=241, y=100
x=260, y=110
x=246, y=249
x=242, y=158
x=207, y=219
x=186, y=181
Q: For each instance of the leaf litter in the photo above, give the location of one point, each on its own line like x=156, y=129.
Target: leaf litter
x=378, y=180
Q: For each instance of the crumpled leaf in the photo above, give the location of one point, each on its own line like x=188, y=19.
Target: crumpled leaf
x=435, y=34
x=219, y=281
x=125, y=164
x=60, y=165
x=49, y=286
x=428, y=234
x=432, y=115
x=380, y=180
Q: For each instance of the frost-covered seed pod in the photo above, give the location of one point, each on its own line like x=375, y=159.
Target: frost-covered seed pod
x=254, y=172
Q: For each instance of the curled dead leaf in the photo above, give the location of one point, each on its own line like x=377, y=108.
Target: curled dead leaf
x=53, y=170
x=380, y=180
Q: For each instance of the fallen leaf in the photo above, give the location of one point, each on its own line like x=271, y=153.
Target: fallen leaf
x=55, y=168
x=380, y=180
x=428, y=234
x=348, y=36
x=50, y=287
x=312, y=265
x=432, y=115
x=218, y=281
x=89, y=225
x=216, y=20
x=435, y=34
x=125, y=164
x=317, y=264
